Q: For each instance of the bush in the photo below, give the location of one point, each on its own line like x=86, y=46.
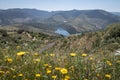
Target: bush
x=3, y=33
x=113, y=31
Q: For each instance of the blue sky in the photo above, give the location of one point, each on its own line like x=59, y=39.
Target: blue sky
x=53, y=5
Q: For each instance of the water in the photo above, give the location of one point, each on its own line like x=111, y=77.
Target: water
x=62, y=31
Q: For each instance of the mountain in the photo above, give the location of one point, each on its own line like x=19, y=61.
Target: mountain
x=116, y=13
x=84, y=20
x=73, y=21
x=12, y=16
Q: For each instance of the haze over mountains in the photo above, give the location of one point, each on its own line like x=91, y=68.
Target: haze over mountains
x=116, y=13
x=73, y=21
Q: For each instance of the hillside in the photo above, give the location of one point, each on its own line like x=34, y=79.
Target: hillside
x=73, y=21
x=90, y=42
x=27, y=55
x=12, y=16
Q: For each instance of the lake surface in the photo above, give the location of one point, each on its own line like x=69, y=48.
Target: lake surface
x=62, y=31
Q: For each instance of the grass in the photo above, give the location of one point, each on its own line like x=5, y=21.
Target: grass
x=23, y=65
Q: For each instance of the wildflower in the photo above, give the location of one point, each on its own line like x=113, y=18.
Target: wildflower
x=48, y=71
x=98, y=75
x=91, y=58
x=37, y=75
x=2, y=72
x=108, y=76
x=14, y=76
x=54, y=77
x=36, y=60
x=12, y=69
x=84, y=55
x=85, y=79
x=17, y=47
x=64, y=71
x=73, y=54
x=67, y=77
x=36, y=54
x=109, y=63
x=21, y=53
x=118, y=61
x=7, y=72
x=50, y=66
x=71, y=68
x=9, y=60
x=46, y=65
x=52, y=55
x=20, y=75
x=57, y=68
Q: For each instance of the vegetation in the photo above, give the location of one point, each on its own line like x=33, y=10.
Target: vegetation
x=108, y=39
x=89, y=56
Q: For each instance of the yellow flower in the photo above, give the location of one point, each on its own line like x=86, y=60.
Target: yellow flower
x=14, y=76
x=57, y=68
x=118, y=61
x=46, y=65
x=36, y=54
x=67, y=77
x=37, y=75
x=84, y=55
x=20, y=75
x=98, y=75
x=109, y=63
x=7, y=72
x=9, y=60
x=2, y=72
x=52, y=55
x=73, y=54
x=90, y=58
x=12, y=69
x=108, y=76
x=50, y=66
x=64, y=71
x=54, y=77
x=21, y=53
x=85, y=79
x=48, y=71
x=36, y=60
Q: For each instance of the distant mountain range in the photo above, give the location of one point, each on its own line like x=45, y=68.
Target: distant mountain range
x=116, y=13
x=73, y=21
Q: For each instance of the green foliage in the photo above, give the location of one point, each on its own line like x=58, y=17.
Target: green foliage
x=112, y=32
x=3, y=33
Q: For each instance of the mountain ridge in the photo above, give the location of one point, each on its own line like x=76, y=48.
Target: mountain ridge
x=73, y=21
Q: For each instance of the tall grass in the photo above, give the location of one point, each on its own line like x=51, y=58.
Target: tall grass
x=101, y=65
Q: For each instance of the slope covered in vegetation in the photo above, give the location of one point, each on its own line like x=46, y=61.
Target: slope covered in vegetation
x=108, y=39
x=88, y=56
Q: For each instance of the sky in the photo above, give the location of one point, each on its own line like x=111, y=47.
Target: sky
x=54, y=5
